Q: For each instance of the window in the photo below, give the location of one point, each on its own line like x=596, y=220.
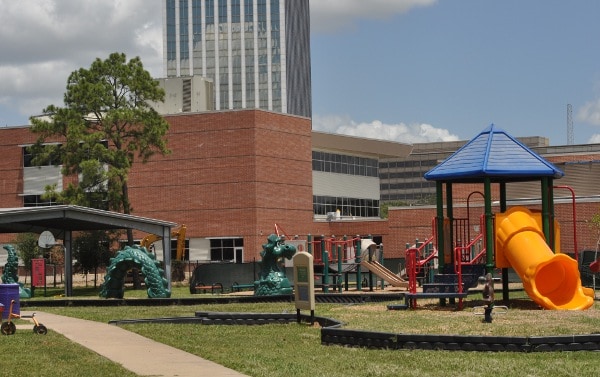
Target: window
x=186, y=249
x=52, y=160
x=343, y=164
x=37, y=201
x=226, y=249
x=348, y=207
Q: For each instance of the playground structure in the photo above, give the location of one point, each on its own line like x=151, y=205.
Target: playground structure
x=527, y=241
x=339, y=263
x=129, y=257
x=140, y=257
x=9, y=328
x=335, y=259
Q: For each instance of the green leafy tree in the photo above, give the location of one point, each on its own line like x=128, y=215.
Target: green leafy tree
x=105, y=124
x=27, y=248
x=384, y=207
x=92, y=250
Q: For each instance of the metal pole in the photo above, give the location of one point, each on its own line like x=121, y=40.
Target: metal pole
x=68, y=265
x=505, y=291
x=358, y=266
x=489, y=227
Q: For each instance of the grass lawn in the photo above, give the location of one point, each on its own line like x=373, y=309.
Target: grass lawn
x=295, y=350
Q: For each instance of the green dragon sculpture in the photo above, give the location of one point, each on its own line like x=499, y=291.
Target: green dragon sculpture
x=272, y=280
x=11, y=269
x=134, y=256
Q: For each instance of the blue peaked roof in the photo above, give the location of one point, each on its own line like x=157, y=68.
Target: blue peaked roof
x=496, y=155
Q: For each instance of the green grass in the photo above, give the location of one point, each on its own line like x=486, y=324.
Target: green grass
x=178, y=290
x=295, y=350
x=29, y=354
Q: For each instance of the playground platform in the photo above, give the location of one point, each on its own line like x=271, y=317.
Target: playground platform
x=136, y=353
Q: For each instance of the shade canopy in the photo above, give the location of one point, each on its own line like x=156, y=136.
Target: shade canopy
x=496, y=155
x=62, y=220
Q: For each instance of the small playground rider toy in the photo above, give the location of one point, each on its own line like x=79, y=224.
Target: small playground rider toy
x=272, y=279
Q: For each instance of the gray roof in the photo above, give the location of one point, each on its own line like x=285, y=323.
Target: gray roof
x=73, y=218
x=496, y=155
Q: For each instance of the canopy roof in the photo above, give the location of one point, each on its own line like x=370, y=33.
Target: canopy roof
x=58, y=219
x=64, y=219
x=496, y=155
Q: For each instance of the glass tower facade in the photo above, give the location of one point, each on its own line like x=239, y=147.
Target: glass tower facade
x=257, y=52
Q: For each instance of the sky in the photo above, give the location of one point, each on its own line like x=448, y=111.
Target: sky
x=401, y=70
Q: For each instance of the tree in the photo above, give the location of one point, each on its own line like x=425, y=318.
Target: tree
x=92, y=250
x=27, y=248
x=105, y=125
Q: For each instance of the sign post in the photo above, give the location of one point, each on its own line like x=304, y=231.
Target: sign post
x=304, y=284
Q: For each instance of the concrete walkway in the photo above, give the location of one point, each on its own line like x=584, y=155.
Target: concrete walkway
x=134, y=352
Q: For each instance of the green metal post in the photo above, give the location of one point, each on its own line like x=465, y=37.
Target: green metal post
x=551, y=217
x=450, y=235
x=450, y=216
x=309, y=247
x=325, y=256
x=381, y=260
x=325, y=271
x=440, y=222
x=546, y=211
x=339, y=273
x=505, y=291
x=489, y=226
x=358, y=266
x=370, y=273
x=345, y=274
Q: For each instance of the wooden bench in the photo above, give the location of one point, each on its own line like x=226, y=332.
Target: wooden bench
x=204, y=287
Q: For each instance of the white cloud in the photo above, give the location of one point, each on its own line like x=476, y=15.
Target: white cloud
x=336, y=15
x=594, y=139
x=43, y=41
x=401, y=132
x=590, y=113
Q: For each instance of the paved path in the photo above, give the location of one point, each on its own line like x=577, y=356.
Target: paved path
x=134, y=352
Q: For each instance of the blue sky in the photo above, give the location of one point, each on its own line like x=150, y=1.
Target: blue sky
x=404, y=70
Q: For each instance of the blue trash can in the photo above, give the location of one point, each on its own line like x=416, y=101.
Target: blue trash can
x=9, y=292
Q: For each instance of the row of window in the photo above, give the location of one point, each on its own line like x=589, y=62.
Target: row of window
x=343, y=164
x=347, y=207
x=37, y=201
x=408, y=164
x=401, y=175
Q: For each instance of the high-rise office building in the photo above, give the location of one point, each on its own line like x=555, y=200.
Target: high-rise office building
x=257, y=52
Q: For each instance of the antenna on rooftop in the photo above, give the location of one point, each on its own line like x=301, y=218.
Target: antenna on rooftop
x=570, y=136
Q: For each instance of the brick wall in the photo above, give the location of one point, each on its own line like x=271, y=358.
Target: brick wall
x=230, y=174
x=238, y=173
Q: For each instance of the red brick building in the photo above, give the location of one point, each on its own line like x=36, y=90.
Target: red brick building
x=233, y=175
x=230, y=177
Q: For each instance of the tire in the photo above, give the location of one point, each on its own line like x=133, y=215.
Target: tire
x=8, y=328
x=40, y=330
